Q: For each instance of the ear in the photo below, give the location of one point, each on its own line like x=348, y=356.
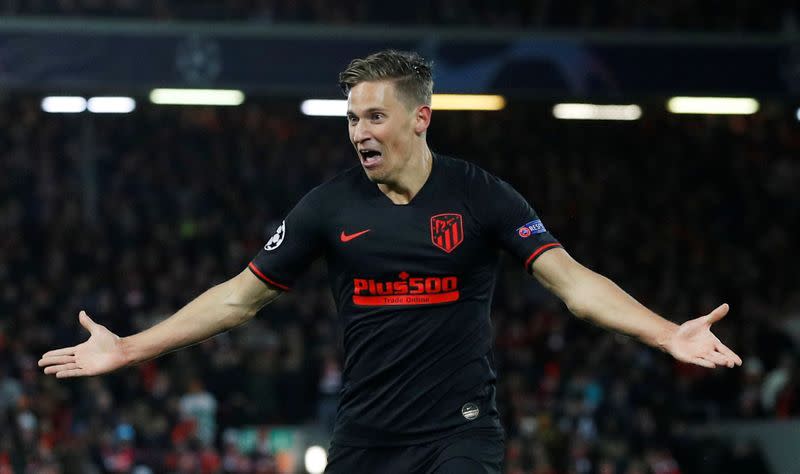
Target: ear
x=422, y=119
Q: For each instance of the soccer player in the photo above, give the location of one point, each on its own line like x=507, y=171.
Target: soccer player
x=411, y=238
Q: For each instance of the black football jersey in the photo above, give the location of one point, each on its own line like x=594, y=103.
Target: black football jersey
x=413, y=286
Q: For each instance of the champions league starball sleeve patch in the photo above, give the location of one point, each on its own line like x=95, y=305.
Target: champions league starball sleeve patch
x=531, y=228
x=277, y=239
x=292, y=247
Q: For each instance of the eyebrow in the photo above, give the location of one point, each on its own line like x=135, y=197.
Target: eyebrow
x=368, y=111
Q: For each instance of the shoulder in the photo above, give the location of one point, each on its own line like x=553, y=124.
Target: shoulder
x=341, y=186
x=475, y=178
x=347, y=177
x=458, y=170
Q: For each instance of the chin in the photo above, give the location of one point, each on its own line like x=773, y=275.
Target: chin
x=376, y=177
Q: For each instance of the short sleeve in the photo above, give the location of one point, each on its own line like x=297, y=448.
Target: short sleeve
x=511, y=221
x=296, y=243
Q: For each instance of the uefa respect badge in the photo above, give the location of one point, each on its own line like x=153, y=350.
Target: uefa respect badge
x=532, y=227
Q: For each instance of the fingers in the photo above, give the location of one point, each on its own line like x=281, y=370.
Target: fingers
x=718, y=359
x=86, y=321
x=718, y=313
x=723, y=349
x=703, y=363
x=58, y=357
x=714, y=359
x=53, y=360
x=57, y=369
x=70, y=373
x=59, y=352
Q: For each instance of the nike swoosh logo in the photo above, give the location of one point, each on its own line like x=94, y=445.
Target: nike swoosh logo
x=347, y=238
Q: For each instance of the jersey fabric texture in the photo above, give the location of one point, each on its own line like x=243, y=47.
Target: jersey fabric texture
x=413, y=287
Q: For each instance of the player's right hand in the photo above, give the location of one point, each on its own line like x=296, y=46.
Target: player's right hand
x=101, y=353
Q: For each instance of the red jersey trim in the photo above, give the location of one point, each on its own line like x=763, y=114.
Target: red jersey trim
x=253, y=268
x=396, y=300
x=538, y=252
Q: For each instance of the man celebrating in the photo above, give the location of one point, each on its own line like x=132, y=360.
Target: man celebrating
x=411, y=238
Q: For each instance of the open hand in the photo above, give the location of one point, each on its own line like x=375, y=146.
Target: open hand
x=693, y=342
x=101, y=353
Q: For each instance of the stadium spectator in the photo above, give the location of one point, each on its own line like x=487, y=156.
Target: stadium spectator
x=164, y=172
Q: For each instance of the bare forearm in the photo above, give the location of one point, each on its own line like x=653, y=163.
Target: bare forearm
x=602, y=302
x=218, y=309
x=596, y=298
x=210, y=313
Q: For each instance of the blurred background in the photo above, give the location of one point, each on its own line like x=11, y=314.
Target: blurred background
x=117, y=199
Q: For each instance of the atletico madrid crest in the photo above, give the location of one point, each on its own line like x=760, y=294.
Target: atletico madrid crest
x=447, y=231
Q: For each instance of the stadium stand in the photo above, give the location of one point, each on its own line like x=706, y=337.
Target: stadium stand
x=683, y=212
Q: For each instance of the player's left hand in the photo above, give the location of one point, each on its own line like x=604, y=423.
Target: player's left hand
x=694, y=343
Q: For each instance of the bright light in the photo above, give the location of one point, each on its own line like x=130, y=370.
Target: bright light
x=596, y=112
x=316, y=459
x=713, y=105
x=324, y=108
x=798, y=114
x=467, y=102
x=338, y=108
x=196, y=96
x=111, y=105
x=63, y=104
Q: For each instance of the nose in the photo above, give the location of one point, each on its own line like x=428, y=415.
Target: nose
x=361, y=131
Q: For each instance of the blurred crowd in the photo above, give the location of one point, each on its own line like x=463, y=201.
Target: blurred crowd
x=716, y=15
x=129, y=217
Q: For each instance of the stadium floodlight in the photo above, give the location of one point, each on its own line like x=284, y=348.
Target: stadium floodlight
x=316, y=459
x=111, y=105
x=713, y=105
x=196, y=96
x=324, y=108
x=577, y=111
x=467, y=102
x=338, y=107
x=63, y=104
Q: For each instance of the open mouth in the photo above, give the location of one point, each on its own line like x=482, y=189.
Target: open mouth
x=370, y=157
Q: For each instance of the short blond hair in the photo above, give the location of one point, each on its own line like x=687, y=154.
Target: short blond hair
x=410, y=72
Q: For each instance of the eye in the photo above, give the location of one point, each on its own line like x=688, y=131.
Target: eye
x=352, y=119
x=377, y=116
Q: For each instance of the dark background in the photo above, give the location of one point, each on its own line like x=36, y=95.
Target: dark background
x=683, y=212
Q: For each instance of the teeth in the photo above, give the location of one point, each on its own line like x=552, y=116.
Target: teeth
x=367, y=154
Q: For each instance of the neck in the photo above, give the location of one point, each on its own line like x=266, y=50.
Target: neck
x=412, y=178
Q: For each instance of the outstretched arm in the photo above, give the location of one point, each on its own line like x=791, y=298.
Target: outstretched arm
x=218, y=309
x=596, y=298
